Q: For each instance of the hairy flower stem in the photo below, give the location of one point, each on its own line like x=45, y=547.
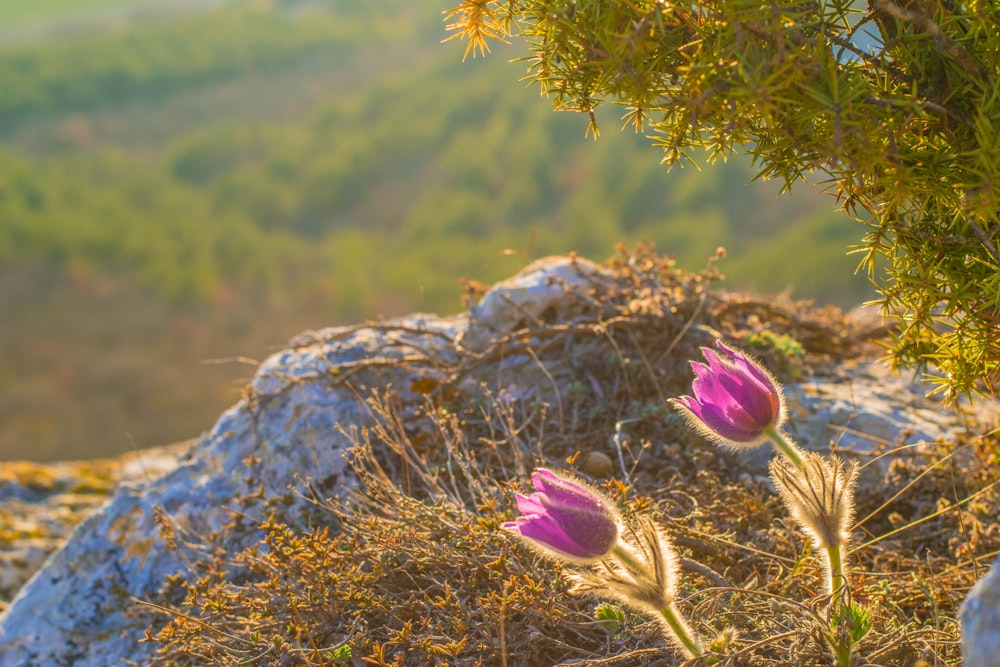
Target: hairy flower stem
x=841, y=644
x=838, y=577
x=842, y=654
x=678, y=627
x=784, y=445
x=628, y=559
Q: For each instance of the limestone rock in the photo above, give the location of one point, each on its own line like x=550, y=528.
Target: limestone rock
x=980, y=620
x=80, y=609
x=41, y=503
x=544, y=291
x=865, y=405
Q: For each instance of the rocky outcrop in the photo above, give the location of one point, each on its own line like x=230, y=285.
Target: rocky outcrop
x=41, y=503
x=86, y=605
x=865, y=406
x=82, y=607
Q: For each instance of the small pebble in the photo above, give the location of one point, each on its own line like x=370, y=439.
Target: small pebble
x=596, y=464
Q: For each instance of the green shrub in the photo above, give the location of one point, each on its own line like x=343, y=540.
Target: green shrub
x=902, y=121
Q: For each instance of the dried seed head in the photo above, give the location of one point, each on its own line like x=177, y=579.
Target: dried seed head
x=643, y=576
x=820, y=496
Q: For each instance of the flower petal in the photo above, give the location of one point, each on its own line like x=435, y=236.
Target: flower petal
x=567, y=518
x=734, y=398
x=529, y=505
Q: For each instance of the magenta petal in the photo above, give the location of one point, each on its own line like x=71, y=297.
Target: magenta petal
x=734, y=399
x=542, y=476
x=700, y=369
x=715, y=363
x=713, y=390
x=562, y=493
x=704, y=380
x=750, y=369
x=746, y=402
x=689, y=403
x=756, y=390
x=529, y=504
x=566, y=518
x=727, y=427
x=549, y=533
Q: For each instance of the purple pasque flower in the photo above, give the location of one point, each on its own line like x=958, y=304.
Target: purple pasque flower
x=566, y=518
x=736, y=401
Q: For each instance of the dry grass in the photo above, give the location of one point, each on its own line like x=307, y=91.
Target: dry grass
x=412, y=567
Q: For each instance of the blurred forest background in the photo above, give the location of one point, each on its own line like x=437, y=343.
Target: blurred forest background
x=185, y=185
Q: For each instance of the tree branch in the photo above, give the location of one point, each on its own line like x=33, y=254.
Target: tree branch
x=924, y=23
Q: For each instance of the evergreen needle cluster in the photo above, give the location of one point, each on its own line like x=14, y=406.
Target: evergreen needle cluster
x=895, y=104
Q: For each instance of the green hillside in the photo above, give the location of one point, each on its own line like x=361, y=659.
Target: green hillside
x=15, y=12
x=313, y=165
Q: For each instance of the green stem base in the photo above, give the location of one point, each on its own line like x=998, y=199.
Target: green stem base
x=785, y=445
x=681, y=632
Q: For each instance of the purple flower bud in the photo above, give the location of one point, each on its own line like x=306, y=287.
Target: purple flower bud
x=735, y=399
x=567, y=519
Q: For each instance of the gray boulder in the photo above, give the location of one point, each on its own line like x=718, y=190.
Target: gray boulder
x=40, y=503
x=864, y=406
x=980, y=620
x=84, y=606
